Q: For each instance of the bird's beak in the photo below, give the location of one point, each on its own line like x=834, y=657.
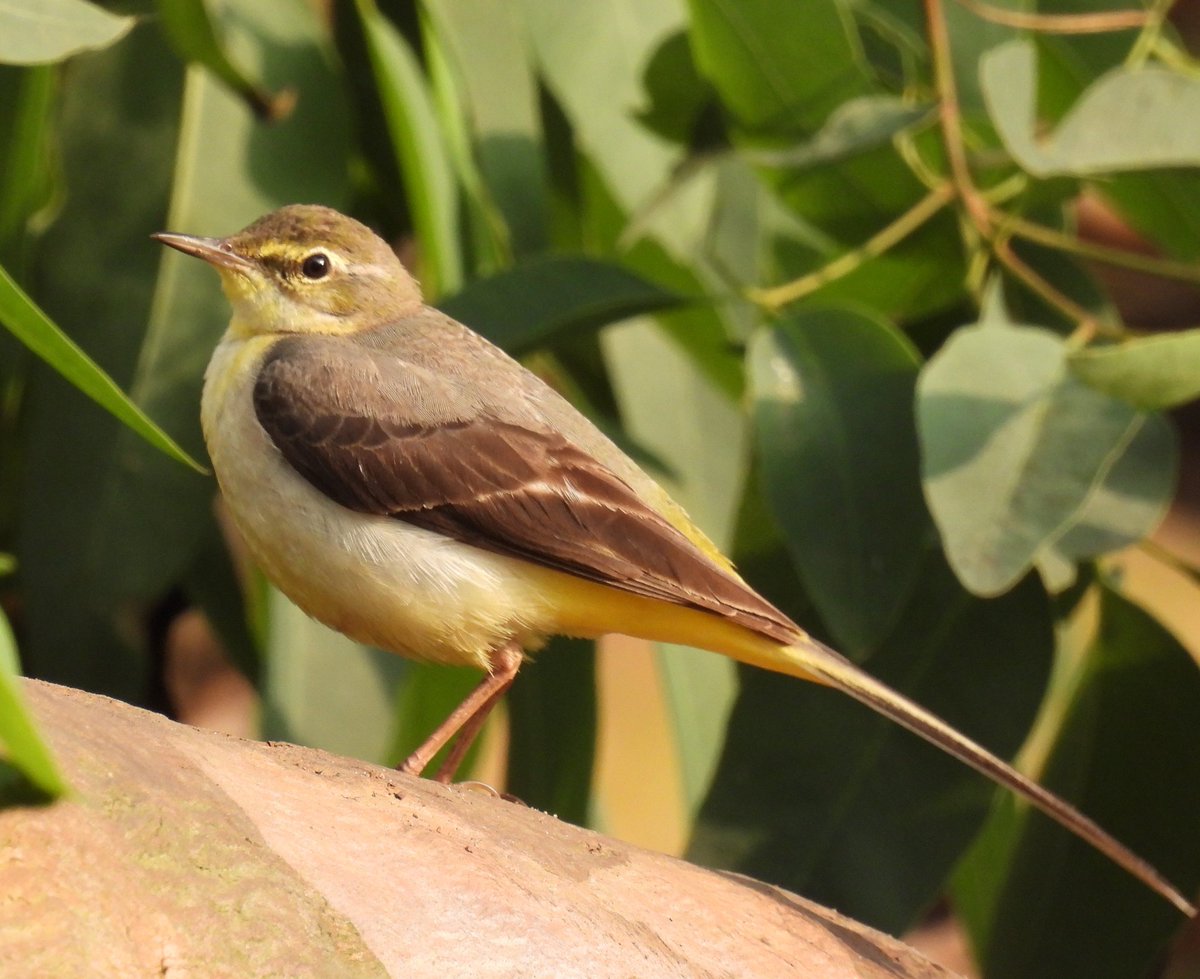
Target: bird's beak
x=215, y=251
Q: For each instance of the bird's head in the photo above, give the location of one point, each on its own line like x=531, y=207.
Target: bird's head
x=306, y=269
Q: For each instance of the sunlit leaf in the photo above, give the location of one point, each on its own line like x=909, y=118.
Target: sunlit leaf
x=418, y=148
x=1128, y=119
x=1012, y=447
x=1151, y=373
x=19, y=738
x=39, y=31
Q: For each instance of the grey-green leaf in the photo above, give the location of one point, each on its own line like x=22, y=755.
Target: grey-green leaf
x=34, y=32
x=1151, y=373
x=856, y=125
x=1128, y=119
x=1012, y=446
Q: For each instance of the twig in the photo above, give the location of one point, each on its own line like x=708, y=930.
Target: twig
x=1162, y=267
x=776, y=297
x=1095, y=23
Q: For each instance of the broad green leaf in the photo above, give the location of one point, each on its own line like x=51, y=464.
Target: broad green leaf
x=212, y=586
x=34, y=32
x=531, y=304
x=34, y=329
x=1151, y=373
x=552, y=730
x=781, y=69
x=832, y=393
x=216, y=190
x=1012, y=447
x=192, y=34
x=822, y=796
x=418, y=148
x=1128, y=119
x=1039, y=902
x=20, y=744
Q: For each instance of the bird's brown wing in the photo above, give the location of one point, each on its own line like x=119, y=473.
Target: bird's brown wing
x=352, y=421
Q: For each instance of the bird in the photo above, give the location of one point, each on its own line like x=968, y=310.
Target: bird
x=409, y=484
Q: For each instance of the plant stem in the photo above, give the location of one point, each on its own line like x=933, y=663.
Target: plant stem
x=778, y=296
x=1095, y=23
x=1162, y=267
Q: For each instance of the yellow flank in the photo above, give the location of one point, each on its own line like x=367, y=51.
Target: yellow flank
x=588, y=609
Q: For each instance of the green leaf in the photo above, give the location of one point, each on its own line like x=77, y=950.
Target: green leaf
x=552, y=730
x=1012, y=447
x=488, y=49
x=832, y=393
x=1151, y=373
x=418, y=148
x=1128, y=119
x=781, y=69
x=1039, y=902
x=680, y=102
x=34, y=329
x=26, y=120
x=34, y=32
x=531, y=304
x=592, y=57
x=857, y=125
x=820, y=795
x=25, y=749
x=193, y=36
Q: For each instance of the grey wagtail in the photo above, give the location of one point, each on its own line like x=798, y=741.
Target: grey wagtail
x=409, y=484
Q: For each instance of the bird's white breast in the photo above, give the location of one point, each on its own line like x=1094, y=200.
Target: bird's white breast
x=377, y=579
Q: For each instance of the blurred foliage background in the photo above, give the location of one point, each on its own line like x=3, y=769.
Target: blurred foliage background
x=877, y=289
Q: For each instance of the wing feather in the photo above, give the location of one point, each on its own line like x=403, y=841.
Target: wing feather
x=332, y=410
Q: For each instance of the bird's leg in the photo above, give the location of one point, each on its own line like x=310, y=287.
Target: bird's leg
x=467, y=718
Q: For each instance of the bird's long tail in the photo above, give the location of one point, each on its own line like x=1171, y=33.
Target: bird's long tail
x=810, y=660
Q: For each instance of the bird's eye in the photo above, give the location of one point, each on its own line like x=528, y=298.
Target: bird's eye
x=316, y=266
